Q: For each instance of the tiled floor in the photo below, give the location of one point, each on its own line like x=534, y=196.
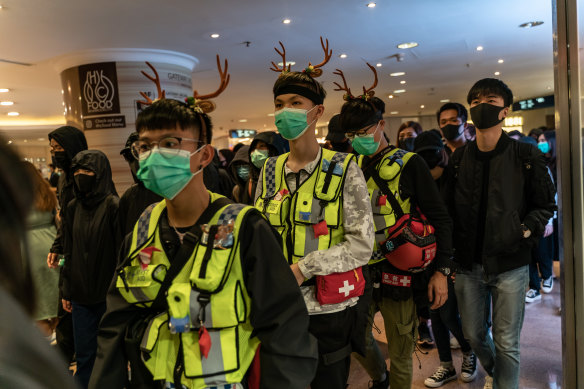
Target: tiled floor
x=541, y=350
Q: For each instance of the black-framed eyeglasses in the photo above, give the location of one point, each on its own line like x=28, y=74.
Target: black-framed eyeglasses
x=169, y=146
x=358, y=133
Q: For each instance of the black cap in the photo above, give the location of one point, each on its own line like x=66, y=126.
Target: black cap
x=428, y=140
x=131, y=139
x=335, y=132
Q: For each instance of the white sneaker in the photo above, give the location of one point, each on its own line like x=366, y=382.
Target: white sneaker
x=454, y=343
x=488, y=382
x=532, y=295
x=547, y=285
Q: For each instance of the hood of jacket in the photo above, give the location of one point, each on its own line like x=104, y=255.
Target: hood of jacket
x=276, y=143
x=97, y=162
x=71, y=139
x=241, y=157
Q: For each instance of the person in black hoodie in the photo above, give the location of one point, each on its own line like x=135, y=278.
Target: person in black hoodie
x=65, y=143
x=240, y=169
x=92, y=238
x=263, y=146
x=137, y=197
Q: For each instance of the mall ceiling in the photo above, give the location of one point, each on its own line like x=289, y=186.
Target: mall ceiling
x=444, y=65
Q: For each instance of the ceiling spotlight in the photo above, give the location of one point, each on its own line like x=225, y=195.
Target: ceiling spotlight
x=397, y=74
x=531, y=24
x=215, y=36
x=394, y=112
x=379, y=65
x=286, y=21
x=12, y=114
x=343, y=56
x=399, y=91
x=390, y=96
x=497, y=73
x=407, y=45
x=402, y=82
x=445, y=101
x=270, y=114
x=371, y=5
x=25, y=141
x=9, y=142
x=6, y=103
x=479, y=48
x=40, y=139
x=243, y=120
x=500, y=61
x=290, y=63
x=549, y=87
x=4, y=90
x=422, y=106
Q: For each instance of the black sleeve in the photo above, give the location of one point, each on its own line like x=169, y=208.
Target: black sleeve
x=123, y=209
x=540, y=195
x=417, y=182
x=111, y=365
x=288, y=353
x=66, y=249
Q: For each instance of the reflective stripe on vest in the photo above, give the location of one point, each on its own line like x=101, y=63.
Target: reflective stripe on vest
x=226, y=315
x=311, y=218
x=389, y=169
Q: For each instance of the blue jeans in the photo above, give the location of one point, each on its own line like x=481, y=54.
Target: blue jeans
x=474, y=290
x=85, y=323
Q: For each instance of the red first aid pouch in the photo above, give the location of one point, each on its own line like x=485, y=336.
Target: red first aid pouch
x=338, y=287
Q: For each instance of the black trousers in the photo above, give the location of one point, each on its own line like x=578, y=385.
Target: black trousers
x=333, y=332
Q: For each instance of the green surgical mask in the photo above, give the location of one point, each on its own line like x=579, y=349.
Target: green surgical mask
x=292, y=122
x=258, y=157
x=365, y=144
x=167, y=175
x=243, y=172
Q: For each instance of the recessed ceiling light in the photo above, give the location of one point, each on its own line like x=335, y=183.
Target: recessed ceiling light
x=243, y=120
x=399, y=91
x=379, y=65
x=4, y=90
x=6, y=103
x=291, y=63
x=402, y=82
x=394, y=112
x=9, y=142
x=12, y=114
x=480, y=48
x=390, y=96
x=286, y=21
x=500, y=60
x=371, y=5
x=343, y=55
x=549, y=87
x=40, y=139
x=531, y=24
x=445, y=101
x=215, y=36
x=497, y=73
x=422, y=106
x=270, y=114
x=407, y=45
x=25, y=141
x=397, y=74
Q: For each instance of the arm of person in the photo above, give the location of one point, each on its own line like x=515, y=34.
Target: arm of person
x=417, y=183
x=288, y=353
x=540, y=195
x=67, y=240
x=111, y=366
x=357, y=247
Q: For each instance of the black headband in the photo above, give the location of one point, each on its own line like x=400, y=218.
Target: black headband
x=299, y=90
x=377, y=116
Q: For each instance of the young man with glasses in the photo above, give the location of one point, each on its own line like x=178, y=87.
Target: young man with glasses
x=200, y=282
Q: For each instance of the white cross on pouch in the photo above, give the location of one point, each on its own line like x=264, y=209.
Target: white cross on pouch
x=405, y=281
x=346, y=288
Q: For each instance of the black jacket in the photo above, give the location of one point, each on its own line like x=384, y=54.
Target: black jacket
x=519, y=191
x=134, y=201
x=288, y=353
x=92, y=234
x=73, y=141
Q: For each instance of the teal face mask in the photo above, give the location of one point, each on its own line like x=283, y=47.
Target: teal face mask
x=243, y=172
x=292, y=122
x=167, y=175
x=544, y=147
x=258, y=157
x=366, y=145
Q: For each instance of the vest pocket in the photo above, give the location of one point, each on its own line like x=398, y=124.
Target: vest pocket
x=223, y=355
x=159, y=348
x=138, y=285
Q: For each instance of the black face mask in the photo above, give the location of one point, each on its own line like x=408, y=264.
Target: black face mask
x=452, y=131
x=431, y=157
x=62, y=160
x=84, y=183
x=134, y=166
x=407, y=144
x=485, y=115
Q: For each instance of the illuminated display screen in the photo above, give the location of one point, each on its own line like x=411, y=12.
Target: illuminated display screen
x=535, y=103
x=242, y=133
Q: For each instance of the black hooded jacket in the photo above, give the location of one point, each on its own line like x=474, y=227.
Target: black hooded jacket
x=277, y=145
x=240, y=193
x=92, y=233
x=73, y=141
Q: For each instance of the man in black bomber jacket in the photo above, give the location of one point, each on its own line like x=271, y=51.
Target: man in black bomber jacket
x=500, y=198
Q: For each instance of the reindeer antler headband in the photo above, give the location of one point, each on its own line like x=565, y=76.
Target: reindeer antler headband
x=368, y=93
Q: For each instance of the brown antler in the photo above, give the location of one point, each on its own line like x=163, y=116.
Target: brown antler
x=224, y=81
x=339, y=72
x=327, y=54
x=282, y=53
x=155, y=80
x=370, y=92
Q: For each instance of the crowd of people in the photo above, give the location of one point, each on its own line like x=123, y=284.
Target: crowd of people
x=264, y=266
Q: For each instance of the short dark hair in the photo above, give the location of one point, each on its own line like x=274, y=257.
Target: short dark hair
x=167, y=114
x=461, y=111
x=358, y=113
x=488, y=86
x=299, y=78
